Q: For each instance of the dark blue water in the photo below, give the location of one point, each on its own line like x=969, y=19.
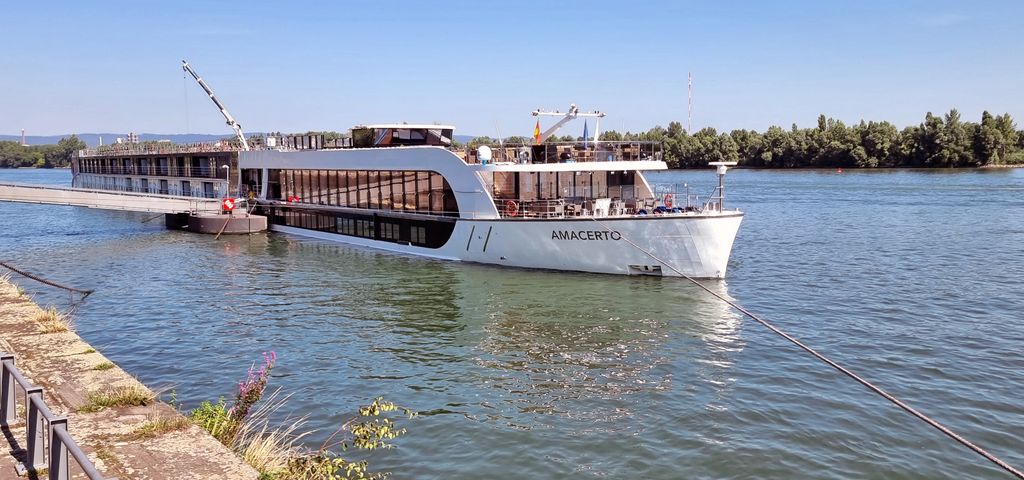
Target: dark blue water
x=911, y=278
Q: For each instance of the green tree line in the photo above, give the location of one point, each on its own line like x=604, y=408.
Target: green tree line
x=14, y=154
x=939, y=141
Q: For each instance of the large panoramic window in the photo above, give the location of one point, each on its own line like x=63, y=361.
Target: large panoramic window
x=410, y=191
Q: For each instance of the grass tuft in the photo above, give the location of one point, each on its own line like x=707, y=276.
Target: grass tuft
x=53, y=321
x=89, y=350
x=269, y=450
x=123, y=396
x=265, y=448
x=104, y=366
x=160, y=426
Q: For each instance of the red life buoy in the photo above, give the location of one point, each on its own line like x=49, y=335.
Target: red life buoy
x=511, y=208
x=228, y=204
x=668, y=200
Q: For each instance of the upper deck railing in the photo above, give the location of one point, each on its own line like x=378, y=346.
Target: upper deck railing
x=567, y=152
x=158, y=148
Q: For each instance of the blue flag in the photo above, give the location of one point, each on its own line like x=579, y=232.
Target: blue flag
x=585, y=134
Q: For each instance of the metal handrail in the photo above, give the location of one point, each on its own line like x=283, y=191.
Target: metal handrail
x=561, y=152
x=548, y=208
x=40, y=423
x=68, y=445
x=158, y=149
x=155, y=171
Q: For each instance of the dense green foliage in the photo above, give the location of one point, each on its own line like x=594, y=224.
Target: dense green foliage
x=939, y=141
x=13, y=154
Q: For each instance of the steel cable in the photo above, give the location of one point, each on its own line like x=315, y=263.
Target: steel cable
x=878, y=390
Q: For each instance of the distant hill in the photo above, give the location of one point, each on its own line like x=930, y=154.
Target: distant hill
x=93, y=139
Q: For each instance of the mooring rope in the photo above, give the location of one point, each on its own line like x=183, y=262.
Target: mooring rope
x=85, y=293
x=942, y=428
x=154, y=217
x=223, y=227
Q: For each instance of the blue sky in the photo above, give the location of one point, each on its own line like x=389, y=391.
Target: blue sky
x=483, y=66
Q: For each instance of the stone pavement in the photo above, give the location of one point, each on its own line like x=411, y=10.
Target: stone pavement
x=64, y=365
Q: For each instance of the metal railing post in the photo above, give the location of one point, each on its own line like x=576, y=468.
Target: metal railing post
x=58, y=450
x=35, y=453
x=8, y=397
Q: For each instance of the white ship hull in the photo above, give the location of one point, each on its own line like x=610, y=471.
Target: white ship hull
x=697, y=245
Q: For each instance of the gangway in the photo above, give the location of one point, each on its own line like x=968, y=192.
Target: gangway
x=105, y=199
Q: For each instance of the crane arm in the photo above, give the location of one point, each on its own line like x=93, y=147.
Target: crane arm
x=573, y=113
x=224, y=111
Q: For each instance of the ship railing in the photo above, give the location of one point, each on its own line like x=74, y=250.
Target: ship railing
x=567, y=152
x=151, y=188
x=509, y=208
x=156, y=171
x=715, y=201
x=671, y=195
x=42, y=428
x=566, y=207
x=157, y=148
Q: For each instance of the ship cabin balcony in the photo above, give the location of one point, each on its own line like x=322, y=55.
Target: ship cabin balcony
x=587, y=193
x=191, y=166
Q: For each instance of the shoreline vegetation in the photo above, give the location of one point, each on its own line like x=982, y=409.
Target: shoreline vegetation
x=275, y=449
x=15, y=155
x=940, y=141
x=944, y=141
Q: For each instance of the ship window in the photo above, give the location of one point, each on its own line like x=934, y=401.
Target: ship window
x=504, y=185
x=420, y=191
x=548, y=185
x=600, y=184
x=385, y=190
x=346, y=226
x=373, y=184
x=364, y=228
x=423, y=191
x=418, y=235
x=325, y=187
x=528, y=185
x=388, y=231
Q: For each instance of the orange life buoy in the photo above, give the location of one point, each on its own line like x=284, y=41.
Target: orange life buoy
x=668, y=200
x=511, y=208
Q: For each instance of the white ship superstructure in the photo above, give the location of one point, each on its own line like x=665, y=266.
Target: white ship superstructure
x=577, y=207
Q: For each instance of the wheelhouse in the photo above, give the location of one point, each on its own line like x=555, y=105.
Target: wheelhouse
x=401, y=134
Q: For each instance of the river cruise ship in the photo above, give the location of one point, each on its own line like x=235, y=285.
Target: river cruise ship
x=577, y=207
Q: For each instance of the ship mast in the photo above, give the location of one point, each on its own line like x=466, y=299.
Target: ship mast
x=224, y=111
x=573, y=112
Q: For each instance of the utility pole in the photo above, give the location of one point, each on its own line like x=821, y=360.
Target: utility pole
x=689, y=107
